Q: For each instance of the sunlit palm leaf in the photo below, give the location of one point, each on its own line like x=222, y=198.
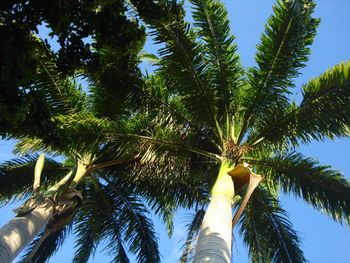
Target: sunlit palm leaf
x=325, y=189
x=211, y=18
x=183, y=68
x=323, y=112
x=282, y=52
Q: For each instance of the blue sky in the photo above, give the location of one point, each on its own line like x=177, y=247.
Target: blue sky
x=322, y=239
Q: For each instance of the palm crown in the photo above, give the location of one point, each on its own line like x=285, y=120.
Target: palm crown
x=210, y=110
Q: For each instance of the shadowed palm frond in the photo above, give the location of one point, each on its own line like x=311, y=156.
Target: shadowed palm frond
x=192, y=233
x=115, y=82
x=121, y=256
x=89, y=223
x=48, y=93
x=128, y=222
x=184, y=70
x=162, y=105
x=282, y=52
x=85, y=245
x=323, y=113
x=74, y=133
x=17, y=177
x=175, y=192
x=40, y=251
x=164, y=136
x=165, y=187
x=82, y=132
x=267, y=231
x=325, y=189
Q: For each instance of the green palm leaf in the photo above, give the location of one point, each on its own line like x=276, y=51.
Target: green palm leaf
x=17, y=177
x=115, y=82
x=166, y=187
x=184, y=69
x=325, y=189
x=224, y=68
x=322, y=113
x=282, y=52
x=122, y=255
x=46, y=248
x=85, y=245
x=134, y=226
x=267, y=231
x=88, y=225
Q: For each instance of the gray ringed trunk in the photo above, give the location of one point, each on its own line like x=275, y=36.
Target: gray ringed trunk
x=214, y=241
x=19, y=231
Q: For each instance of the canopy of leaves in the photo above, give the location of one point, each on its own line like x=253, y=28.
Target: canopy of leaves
x=173, y=129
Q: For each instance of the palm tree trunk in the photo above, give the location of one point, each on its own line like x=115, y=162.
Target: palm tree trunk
x=16, y=234
x=215, y=236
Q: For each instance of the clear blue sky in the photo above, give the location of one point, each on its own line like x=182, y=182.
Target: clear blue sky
x=323, y=241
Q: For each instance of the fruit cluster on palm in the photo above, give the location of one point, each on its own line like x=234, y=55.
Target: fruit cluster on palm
x=172, y=138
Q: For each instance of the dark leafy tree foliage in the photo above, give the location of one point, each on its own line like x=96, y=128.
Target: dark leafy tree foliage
x=45, y=107
x=86, y=31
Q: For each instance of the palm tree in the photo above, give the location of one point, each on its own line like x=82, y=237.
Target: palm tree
x=65, y=197
x=74, y=194
x=68, y=196
x=216, y=119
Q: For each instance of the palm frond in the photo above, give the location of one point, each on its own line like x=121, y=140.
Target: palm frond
x=123, y=218
x=184, y=70
x=192, y=233
x=224, y=67
x=323, y=113
x=47, y=93
x=115, y=81
x=149, y=58
x=82, y=132
x=267, y=231
x=121, y=256
x=17, y=176
x=282, y=52
x=168, y=183
x=29, y=145
x=90, y=222
x=322, y=187
x=165, y=210
x=86, y=238
x=85, y=246
x=162, y=104
x=40, y=251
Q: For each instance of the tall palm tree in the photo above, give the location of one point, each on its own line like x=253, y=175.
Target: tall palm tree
x=70, y=124
x=69, y=196
x=74, y=196
x=214, y=118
